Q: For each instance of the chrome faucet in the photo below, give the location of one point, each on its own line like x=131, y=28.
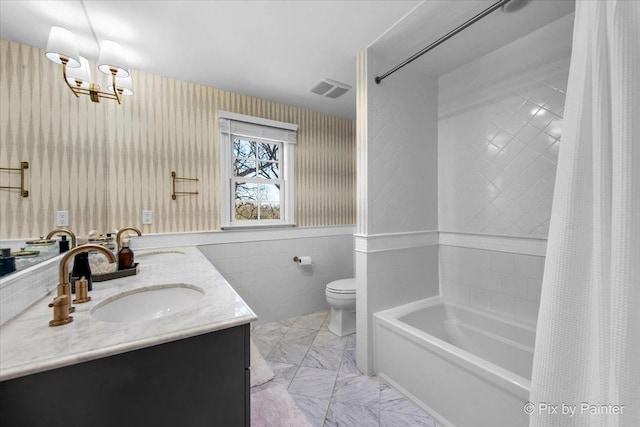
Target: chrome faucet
x=135, y=230
x=64, y=231
x=64, y=287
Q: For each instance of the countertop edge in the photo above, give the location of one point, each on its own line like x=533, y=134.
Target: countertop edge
x=21, y=371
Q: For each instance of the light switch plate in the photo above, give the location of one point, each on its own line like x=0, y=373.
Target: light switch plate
x=147, y=217
x=62, y=218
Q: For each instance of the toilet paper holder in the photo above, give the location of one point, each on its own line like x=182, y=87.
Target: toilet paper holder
x=304, y=260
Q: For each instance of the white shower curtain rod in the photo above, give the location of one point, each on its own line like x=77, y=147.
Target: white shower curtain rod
x=470, y=22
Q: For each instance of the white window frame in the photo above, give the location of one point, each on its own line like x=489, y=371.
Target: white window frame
x=260, y=130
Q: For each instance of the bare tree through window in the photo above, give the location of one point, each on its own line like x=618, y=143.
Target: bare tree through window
x=257, y=182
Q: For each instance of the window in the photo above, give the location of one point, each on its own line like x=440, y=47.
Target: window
x=257, y=179
x=257, y=171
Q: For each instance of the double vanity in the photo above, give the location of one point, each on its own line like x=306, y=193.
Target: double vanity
x=168, y=346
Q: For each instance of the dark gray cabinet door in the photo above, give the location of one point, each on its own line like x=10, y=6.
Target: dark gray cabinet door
x=198, y=381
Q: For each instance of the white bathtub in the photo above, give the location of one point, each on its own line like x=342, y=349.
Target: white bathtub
x=464, y=366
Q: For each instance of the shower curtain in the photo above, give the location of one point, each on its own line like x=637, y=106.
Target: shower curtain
x=587, y=355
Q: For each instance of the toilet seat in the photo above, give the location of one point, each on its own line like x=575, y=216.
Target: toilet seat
x=343, y=286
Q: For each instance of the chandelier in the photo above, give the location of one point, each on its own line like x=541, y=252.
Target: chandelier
x=62, y=48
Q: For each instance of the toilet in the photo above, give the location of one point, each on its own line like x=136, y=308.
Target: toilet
x=341, y=297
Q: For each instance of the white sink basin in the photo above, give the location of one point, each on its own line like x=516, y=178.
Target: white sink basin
x=147, y=303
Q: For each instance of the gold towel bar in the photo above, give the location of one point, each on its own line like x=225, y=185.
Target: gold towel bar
x=175, y=178
x=21, y=169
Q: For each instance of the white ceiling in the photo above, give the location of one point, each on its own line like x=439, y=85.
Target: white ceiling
x=275, y=50
x=433, y=19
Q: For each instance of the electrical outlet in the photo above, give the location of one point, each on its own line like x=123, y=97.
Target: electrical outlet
x=147, y=217
x=62, y=218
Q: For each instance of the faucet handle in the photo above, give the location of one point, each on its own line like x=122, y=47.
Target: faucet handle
x=82, y=291
x=65, y=289
x=60, y=306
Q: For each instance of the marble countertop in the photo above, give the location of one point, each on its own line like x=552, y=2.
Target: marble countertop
x=28, y=345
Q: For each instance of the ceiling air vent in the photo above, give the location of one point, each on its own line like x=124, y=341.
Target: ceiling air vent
x=330, y=88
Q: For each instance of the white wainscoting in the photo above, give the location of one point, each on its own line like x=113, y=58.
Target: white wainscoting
x=391, y=269
x=259, y=266
x=499, y=274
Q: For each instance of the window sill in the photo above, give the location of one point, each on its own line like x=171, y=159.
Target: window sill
x=230, y=227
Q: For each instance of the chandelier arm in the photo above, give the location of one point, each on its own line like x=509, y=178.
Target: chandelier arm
x=106, y=95
x=82, y=91
x=115, y=88
x=102, y=94
x=65, y=60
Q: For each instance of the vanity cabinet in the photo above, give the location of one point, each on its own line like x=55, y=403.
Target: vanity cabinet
x=197, y=381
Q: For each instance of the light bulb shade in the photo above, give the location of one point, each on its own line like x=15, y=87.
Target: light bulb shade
x=112, y=56
x=62, y=42
x=82, y=74
x=124, y=83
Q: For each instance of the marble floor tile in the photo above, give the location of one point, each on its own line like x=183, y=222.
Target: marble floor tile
x=393, y=400
x=361, y=391
x=324, y=358
x=319, y=369
x=313, y=408
x=283, y=373
x=265, y=343
x=270, y=329
x=341, y=415
x=326, y=338
x=288, y=322
x=313, y=382
x=310, y=321
x=288, y=352
x=351, y=343
x=327, y=319
x=300, y=335
x=397, y=419
x=348, y=367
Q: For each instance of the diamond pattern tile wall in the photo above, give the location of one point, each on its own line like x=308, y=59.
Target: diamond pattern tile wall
x=401, y=154
x=500, y=123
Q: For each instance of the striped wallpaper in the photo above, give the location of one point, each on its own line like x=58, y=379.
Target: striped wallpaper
x=105, y=163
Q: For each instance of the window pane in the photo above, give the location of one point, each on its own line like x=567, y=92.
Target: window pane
x=246, y=201
x=244, y=148
x=270, y=210
x=245, y=168
x=270, y=193
x=269, y=170
x=268, y=151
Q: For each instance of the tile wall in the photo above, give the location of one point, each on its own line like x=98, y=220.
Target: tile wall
x=504, y=283
x=397, y=193
x=265, y=276
x=401, y=151
x=499, y=132
x=26, y=287
x=399, y=276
